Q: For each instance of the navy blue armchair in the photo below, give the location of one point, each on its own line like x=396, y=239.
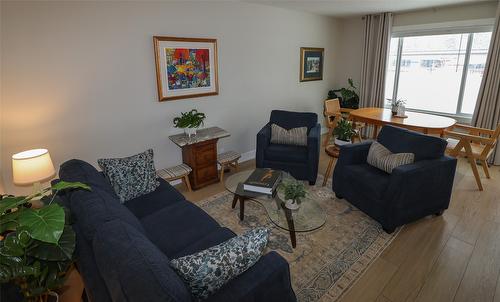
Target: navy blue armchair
x=300, y=161
x=411, y=192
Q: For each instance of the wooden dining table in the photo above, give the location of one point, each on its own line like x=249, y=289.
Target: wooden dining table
x=421, y=122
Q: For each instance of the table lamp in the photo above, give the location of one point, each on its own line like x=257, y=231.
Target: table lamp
x=32, y=167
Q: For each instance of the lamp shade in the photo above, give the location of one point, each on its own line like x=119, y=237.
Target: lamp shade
x=32, y=166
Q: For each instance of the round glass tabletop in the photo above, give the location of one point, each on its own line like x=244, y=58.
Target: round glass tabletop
x=308, y=217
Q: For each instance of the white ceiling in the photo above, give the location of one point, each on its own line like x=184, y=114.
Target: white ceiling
x=344, y=8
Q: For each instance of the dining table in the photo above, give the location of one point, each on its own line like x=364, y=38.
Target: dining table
x=421, y=122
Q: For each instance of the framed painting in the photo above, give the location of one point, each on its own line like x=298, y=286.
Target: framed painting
x=185, y=67
x=311, y=64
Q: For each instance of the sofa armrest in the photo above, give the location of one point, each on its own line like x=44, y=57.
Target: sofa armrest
x=267, y=280
x=314, y=142
x=427, y=183
x=353, y=154
x=263, y=139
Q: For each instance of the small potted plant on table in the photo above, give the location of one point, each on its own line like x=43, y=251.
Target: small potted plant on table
x=292, y=191
x=398, y=107
x=36, y=244
x=189, y=121
x=343, y=132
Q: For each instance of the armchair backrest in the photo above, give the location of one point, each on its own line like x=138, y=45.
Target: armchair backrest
x=399, y=140
x=291, y=119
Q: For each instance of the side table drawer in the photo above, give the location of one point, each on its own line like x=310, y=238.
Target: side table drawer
x=207, y=173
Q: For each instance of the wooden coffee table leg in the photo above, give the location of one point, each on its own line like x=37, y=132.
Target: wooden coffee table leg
x=291, y=227
x=242, y=207
x=235, y=200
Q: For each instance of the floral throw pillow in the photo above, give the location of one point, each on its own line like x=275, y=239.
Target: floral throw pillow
x=131, y=176
x=207, y=271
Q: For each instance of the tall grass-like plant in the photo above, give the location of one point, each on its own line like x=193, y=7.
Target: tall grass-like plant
x=36, y=244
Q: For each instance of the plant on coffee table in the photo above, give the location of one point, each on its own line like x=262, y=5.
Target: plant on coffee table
x=36, y=244
x=293, y=191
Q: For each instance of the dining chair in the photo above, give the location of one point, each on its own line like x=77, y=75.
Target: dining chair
x=333, y=114
x=477, y=144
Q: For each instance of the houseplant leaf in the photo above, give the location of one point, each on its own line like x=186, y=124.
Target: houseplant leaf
x=8, y=203
x=45, y=224
x=64, y=185
x=60, y=251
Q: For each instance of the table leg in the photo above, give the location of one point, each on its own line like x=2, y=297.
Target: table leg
x=242, y=207
x=375, y=131
x=291, y=226
x=235, y=200
x=328, y=171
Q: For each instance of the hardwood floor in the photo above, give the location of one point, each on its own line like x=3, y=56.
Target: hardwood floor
x=454, y=257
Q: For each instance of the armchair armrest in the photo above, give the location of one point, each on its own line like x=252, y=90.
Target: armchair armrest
x=267, y=280
x=426, y=183
x=314, y=137
x=263, y=139
x=354, y=153
x=470, y=137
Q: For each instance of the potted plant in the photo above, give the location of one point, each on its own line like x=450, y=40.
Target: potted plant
x=36, y=244
x=348, y=98
x=343, y=132
x=398, y=107
x=292, y=191
x=189, y=121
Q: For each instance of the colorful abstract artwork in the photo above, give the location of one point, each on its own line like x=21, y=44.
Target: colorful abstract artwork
x=311, y=64
x=185, y=67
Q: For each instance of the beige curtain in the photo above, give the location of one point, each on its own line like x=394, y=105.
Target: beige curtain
x=487, y=111
x=377, y=35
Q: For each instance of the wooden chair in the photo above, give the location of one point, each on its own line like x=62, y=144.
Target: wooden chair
x=477, y=144
x=333, y=114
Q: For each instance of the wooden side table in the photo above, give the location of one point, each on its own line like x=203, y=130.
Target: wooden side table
x=333, y=152
x=200, y=153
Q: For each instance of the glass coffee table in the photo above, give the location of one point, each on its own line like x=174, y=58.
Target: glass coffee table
x=310, y=216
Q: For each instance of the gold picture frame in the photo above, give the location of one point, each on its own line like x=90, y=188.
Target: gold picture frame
x=311, y=64
x=185, y=67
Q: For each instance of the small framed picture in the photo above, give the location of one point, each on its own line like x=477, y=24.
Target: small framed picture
x=311, y=64
x=185, y=67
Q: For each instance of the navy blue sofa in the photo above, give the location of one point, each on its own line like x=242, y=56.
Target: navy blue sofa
x=411, y=192
x=300, y=161
x=123, y=251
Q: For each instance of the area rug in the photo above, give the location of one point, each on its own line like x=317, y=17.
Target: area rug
x=327, y=261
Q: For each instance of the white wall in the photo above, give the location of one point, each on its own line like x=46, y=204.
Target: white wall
x=78, y=78
x=351, y=32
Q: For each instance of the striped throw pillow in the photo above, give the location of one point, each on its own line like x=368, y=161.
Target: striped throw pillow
x=294, y=136
x=380, y=157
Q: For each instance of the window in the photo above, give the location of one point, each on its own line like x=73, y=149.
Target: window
x=437, y=73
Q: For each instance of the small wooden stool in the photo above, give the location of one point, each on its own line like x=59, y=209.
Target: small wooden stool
x=333, y=152
x=226, y=160
x=177, y=172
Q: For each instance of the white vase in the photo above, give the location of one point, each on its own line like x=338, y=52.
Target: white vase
x=292, y=204
x=401, y=110
x=190, y=131
x=339, y=142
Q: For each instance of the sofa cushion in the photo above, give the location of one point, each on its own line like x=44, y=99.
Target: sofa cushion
x=175, y=227
x=380, y=157
x=131, y=176
x=91, y=209
x=295, y=136
x=399, y=140
x=373, y=181
x=286, y=153
x=133, y=268
x=207, y=271
x=78, y=170
x=165, y=195
x=217, y=236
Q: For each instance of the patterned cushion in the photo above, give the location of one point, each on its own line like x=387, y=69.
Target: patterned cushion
x=294, y=136
x=380, y=157
x=174, y=172
x=131, y=176
x=228, y=157
x=207, y=271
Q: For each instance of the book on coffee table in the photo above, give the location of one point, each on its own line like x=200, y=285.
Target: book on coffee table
x=263, y=181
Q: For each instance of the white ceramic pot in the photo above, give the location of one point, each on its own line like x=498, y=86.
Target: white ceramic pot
x=401, y=110
x=339, y=142
x=292, y=204
x=190, y=131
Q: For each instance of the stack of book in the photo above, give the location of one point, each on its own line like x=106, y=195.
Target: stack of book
x=263, y=181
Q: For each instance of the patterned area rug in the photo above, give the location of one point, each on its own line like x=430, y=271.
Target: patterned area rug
x=327, y=261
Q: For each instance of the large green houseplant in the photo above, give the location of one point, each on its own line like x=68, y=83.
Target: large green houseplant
x=189, y=121
x=349, y=97
x=36, y=243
